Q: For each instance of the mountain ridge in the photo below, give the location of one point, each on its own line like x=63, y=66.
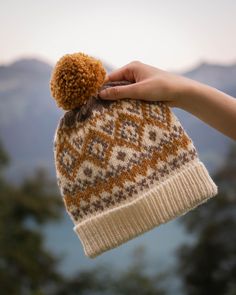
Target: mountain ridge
x=26, y=105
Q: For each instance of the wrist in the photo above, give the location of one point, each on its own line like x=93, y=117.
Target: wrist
x=186, y=93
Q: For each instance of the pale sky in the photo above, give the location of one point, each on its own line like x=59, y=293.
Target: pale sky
x=173, y=35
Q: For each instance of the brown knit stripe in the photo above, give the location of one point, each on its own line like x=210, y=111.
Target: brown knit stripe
x=76, y=142
x=112, y=140
x=183, y=142
x=130, y=190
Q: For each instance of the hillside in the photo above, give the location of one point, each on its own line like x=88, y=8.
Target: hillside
x=28, y=115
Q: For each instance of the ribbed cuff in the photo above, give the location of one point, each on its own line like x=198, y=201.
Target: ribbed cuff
x=177, y=195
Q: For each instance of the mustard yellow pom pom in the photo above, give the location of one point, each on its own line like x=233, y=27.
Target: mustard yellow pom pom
x=75, y=78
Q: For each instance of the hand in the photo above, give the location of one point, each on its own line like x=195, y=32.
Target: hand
x=209, y=104
x=149, y=83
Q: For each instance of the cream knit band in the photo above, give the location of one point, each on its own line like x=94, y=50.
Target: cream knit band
x=177, y=195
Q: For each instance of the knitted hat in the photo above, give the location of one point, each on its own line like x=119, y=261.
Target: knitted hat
x=123, y=166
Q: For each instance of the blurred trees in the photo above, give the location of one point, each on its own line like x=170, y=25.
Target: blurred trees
x=107, y=281
x=26, y=267
x=208, y=266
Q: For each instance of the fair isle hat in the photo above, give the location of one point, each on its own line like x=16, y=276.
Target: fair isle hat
x=123, y=166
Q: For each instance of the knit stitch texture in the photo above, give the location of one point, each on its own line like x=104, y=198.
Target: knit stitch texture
x=124, y=167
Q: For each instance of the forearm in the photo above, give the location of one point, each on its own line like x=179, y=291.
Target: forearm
x=210, y=105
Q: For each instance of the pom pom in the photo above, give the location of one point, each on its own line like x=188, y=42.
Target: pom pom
x=75, y=78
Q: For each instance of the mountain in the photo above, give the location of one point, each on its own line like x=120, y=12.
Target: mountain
x=222, y=77
x=28, y=119
x=28, y=115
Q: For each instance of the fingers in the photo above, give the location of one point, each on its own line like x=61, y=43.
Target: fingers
x=126, y=72
x=120, y=74
x=118, y=92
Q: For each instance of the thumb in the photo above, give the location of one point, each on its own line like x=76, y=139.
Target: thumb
x=118, y=92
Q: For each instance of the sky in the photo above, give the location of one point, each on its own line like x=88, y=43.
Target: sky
x=172, y=35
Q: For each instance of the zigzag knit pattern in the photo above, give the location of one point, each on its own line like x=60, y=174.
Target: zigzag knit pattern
x=124, y=169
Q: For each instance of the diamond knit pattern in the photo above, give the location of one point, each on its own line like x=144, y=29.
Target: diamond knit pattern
x=124, y=148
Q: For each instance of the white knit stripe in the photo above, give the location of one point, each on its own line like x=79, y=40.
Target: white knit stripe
x=177, y=195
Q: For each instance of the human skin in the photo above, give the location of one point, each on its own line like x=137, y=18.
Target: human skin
x=209, y=104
